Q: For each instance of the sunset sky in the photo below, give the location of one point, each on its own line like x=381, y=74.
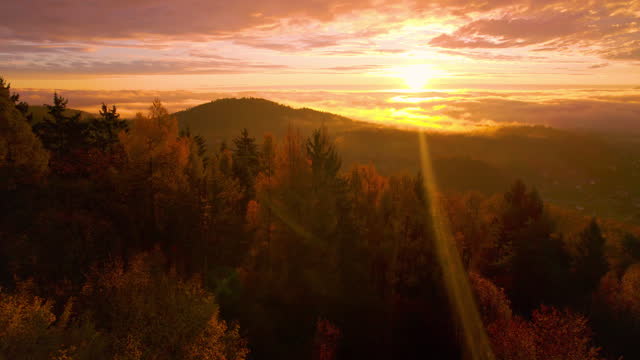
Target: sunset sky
x=439, y=63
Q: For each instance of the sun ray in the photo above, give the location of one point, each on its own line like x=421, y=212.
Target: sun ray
x=455, y=276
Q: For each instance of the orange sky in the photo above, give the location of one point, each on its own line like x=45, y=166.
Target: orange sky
x=366, y=56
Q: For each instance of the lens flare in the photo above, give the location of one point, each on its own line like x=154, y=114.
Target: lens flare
x=455, y=277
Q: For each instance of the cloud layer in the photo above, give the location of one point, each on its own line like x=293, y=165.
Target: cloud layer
x=109, y=35
x=308, y=50
x=445, y=110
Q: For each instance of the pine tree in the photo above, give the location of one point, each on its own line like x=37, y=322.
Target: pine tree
x=61, y=133
x=590, y=263
x=325, y=162
x=246, y=163
x=103, y=131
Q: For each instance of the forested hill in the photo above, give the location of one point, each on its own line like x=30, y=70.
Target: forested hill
x=587, y=172
x=130, y=239
x=221, y=119
x=594, y=174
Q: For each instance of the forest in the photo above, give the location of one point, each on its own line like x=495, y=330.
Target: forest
x=144, y=239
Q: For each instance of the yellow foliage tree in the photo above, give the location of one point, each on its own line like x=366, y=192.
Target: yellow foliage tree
x=158, y=157
x=152, y=314
x=153, y=145
x=22, y=156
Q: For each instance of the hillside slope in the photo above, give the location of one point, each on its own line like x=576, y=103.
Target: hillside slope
x=584, y=171
x=224, y=118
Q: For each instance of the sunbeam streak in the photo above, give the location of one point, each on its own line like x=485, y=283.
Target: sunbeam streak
x=455, y=276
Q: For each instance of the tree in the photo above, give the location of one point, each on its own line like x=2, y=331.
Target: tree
x=590, y=264
x=327, y=199
x=246, y=163
x=157, y=315
x=223, y=215
x=471, y=227
x=264, y=188
x=22, y=156
x=154, y=146
x=562, y=335
x=61, y=133
x=198, y=160
x=68, y=138
x=325, y=162
x=630, y=291
x=267, y=156
x=551, y=334
x=31, y=330
x=530, y=259
x=104, y=131
x=493, y=304
x=156, y=173
x=521, y=208
x=366, y=188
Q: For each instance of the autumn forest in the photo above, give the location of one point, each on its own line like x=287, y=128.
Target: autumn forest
x=140, y=239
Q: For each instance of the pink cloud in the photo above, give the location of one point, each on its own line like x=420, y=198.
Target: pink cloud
x=511, y=31
x=153, y=66
x=614, y=26
x=188, y=36
x=121, y=19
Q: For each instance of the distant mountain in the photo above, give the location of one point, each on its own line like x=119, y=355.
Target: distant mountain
x=224, y=118
x=591, y=172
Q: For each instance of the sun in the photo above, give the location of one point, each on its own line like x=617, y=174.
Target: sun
x=416, y=77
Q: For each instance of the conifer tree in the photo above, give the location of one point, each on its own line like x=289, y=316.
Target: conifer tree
x=61, y=133
x=590, y=263
x=103, y=131
x=246, y=163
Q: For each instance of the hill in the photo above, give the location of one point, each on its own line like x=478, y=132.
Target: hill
x=224, y=118
x=587, y=172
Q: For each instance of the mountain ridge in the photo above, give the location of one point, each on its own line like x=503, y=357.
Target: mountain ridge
x=227, y=116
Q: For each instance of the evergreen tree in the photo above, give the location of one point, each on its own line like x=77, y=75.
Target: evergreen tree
x=531, y=261
x=104, y=131
x=520, y=209
x=267, y=156
x=246, y=163
x=590, y=263
x=61, y=133
x=325, y=162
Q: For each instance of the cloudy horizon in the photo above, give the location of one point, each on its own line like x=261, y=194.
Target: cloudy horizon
x=563, y=63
